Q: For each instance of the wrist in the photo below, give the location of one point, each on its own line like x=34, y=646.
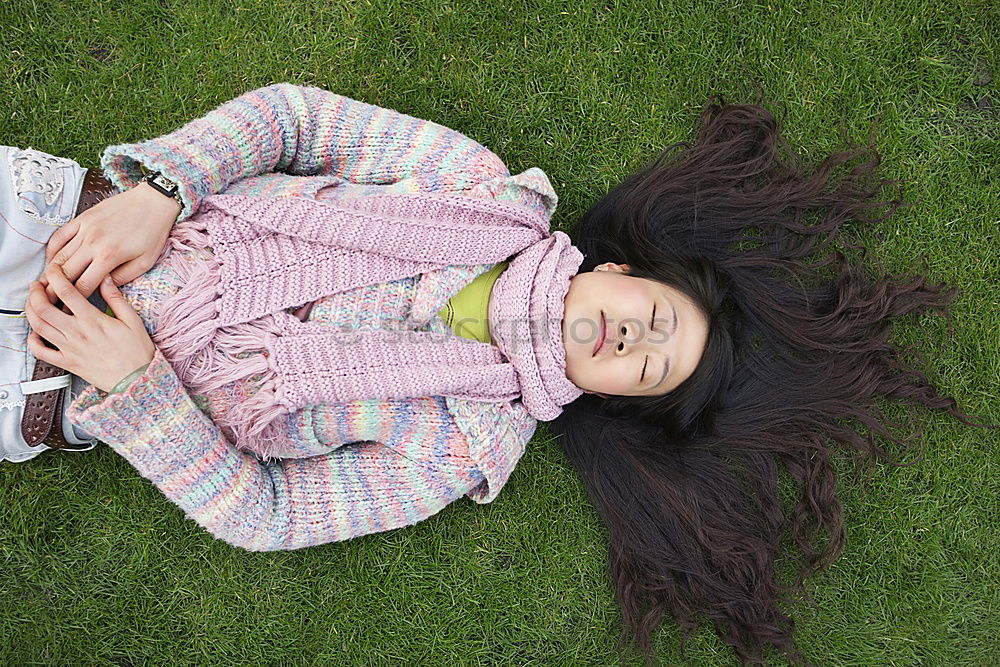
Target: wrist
x=123, y=384
x=157, y=199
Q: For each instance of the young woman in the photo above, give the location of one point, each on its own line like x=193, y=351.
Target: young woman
x=336, y=319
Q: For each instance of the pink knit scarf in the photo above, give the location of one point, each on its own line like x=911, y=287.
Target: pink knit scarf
x=270, y=254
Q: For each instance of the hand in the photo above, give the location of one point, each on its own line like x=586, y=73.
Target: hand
x=121, y=236
x=100, y=349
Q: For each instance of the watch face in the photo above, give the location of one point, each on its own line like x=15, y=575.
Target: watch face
x=165, y=183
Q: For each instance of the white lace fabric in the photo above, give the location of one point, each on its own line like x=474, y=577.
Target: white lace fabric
x=39, y=181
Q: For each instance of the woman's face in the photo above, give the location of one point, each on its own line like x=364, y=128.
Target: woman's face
x=613, y=343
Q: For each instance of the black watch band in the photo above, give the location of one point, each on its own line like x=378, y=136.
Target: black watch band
x=163, y=184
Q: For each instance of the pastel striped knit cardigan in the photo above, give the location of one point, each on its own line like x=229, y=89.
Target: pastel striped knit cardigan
x=346, y=469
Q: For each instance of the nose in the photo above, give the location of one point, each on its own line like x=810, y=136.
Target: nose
x=631, y=336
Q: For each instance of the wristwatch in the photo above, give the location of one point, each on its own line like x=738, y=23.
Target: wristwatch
x=163, y=184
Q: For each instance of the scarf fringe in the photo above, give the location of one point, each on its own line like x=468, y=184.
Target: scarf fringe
x=186, y=321
x=207, y=357
x=270, y=443
x=260, y=421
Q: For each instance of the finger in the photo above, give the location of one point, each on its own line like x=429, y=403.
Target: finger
x=91, y=278
x=68, y=251
x=60, y=238
x=36, y=345
x=71, y=268
x=130, y=270
x=43, y=328
x=67, y=292
x=49, y=294
x=45, y=311
x=119, y=306
x=74, y=267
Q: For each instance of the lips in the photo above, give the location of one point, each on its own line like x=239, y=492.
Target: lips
x=601, y=337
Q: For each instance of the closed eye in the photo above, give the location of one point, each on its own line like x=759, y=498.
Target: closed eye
x=652, y=322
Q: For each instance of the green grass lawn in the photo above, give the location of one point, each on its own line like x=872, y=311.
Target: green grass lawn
x=96, y=566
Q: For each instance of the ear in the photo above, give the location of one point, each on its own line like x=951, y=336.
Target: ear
x=614, y=268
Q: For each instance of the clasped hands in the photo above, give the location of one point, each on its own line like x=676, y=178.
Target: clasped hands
x=117, y=240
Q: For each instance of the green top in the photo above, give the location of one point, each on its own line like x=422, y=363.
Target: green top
x=466, y=312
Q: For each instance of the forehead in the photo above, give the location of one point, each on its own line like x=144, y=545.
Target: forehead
x=624, y=280
x=650, y=287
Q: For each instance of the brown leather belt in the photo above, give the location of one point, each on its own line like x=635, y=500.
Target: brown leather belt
x=42, y=418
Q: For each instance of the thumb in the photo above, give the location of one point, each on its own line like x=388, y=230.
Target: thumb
x=119, y=306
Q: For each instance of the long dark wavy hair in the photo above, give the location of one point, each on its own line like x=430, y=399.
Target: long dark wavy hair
x=797, y=357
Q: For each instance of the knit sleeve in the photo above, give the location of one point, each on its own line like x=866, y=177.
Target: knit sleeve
x=421, y=428
x=303, y=131
x=263, y=506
